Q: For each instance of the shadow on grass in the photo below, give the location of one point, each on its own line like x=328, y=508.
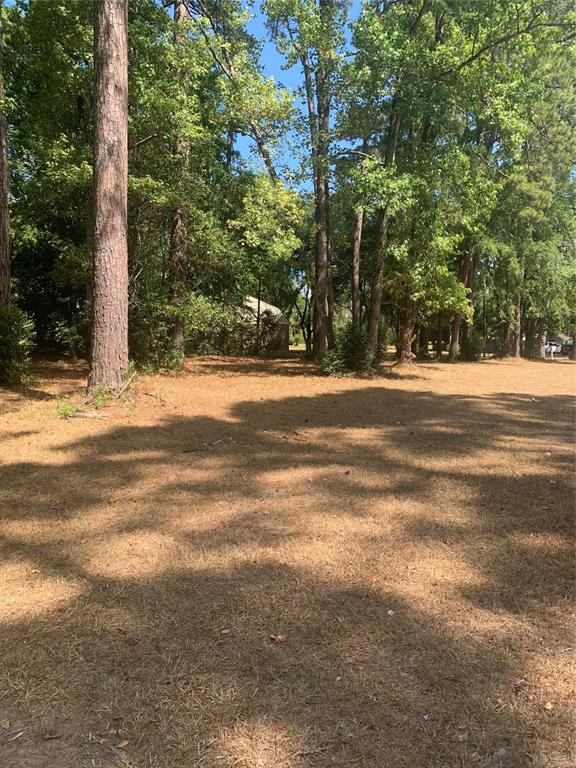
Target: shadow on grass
x=284, y=364
x=362, y=578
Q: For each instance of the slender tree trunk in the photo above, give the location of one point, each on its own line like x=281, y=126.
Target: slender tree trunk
x=319, y=335
x=230, y=136
x=321, y=309
x=109, y=349
x=264, y=153
x=258, y=315
x=5, y=292
x=179, y=232
x=383, y=221
x=507, y=341
x=358, y=224
x=542, y=346
x=531, y=345
x=440, y=336
x=454, y=338
x=375, y=304
x=356, y=306
x=423, y=343
x=305, y=324
x=330, y=289
x=317, y=88
x=466, y=276
x=406, y=331
x=322, y=325
x=535, y=336
x=377, y=283
x=573, y=350
x=517, y=344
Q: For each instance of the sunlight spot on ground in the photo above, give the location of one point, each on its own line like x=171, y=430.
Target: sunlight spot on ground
x=261, y=744
x=27, y=593
x=132, y=555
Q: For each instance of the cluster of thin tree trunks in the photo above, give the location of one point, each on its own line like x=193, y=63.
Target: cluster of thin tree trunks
x=108, y=224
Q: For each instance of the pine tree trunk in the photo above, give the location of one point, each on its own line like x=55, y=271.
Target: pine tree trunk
x=109, y=349
x=573, y=350
x=179, y=232
x=356, y=306
x=5, y=293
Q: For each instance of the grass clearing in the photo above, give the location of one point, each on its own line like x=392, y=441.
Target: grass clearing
x=261, y=567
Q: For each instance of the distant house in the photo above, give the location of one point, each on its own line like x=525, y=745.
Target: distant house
x=274, y=326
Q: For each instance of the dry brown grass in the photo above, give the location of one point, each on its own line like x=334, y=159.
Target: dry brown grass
x=407, y=542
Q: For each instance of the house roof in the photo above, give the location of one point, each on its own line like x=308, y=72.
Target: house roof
x=251, y=303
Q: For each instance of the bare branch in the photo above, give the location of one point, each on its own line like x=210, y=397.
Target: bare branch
x=142, y=141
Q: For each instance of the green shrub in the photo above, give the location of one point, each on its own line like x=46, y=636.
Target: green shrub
x=213, y=327
x=210, y=327
x=100, y=396
x=472, y=346
x=349, y=354
x=72, y=336
x=16, y=341
x=66, y=410
x=150, y=346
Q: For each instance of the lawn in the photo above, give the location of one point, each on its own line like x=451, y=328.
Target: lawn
x=253, y=566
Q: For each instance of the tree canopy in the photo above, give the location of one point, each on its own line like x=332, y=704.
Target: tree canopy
x=422, y=170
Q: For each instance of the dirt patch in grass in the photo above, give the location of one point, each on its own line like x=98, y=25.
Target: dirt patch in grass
x=251, y=565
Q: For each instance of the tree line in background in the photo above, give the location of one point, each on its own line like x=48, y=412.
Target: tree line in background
x=428, y=198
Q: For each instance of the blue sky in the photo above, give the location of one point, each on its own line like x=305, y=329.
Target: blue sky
x=272, y=64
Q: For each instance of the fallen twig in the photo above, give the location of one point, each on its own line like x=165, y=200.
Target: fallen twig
x=157, y=397
x=87, y=415
x=125, y=386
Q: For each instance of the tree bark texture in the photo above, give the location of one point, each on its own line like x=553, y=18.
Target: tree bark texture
x=534, y=335
x=109, y=349
x=454, y=338
x=322, y=325
x=356, y=306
